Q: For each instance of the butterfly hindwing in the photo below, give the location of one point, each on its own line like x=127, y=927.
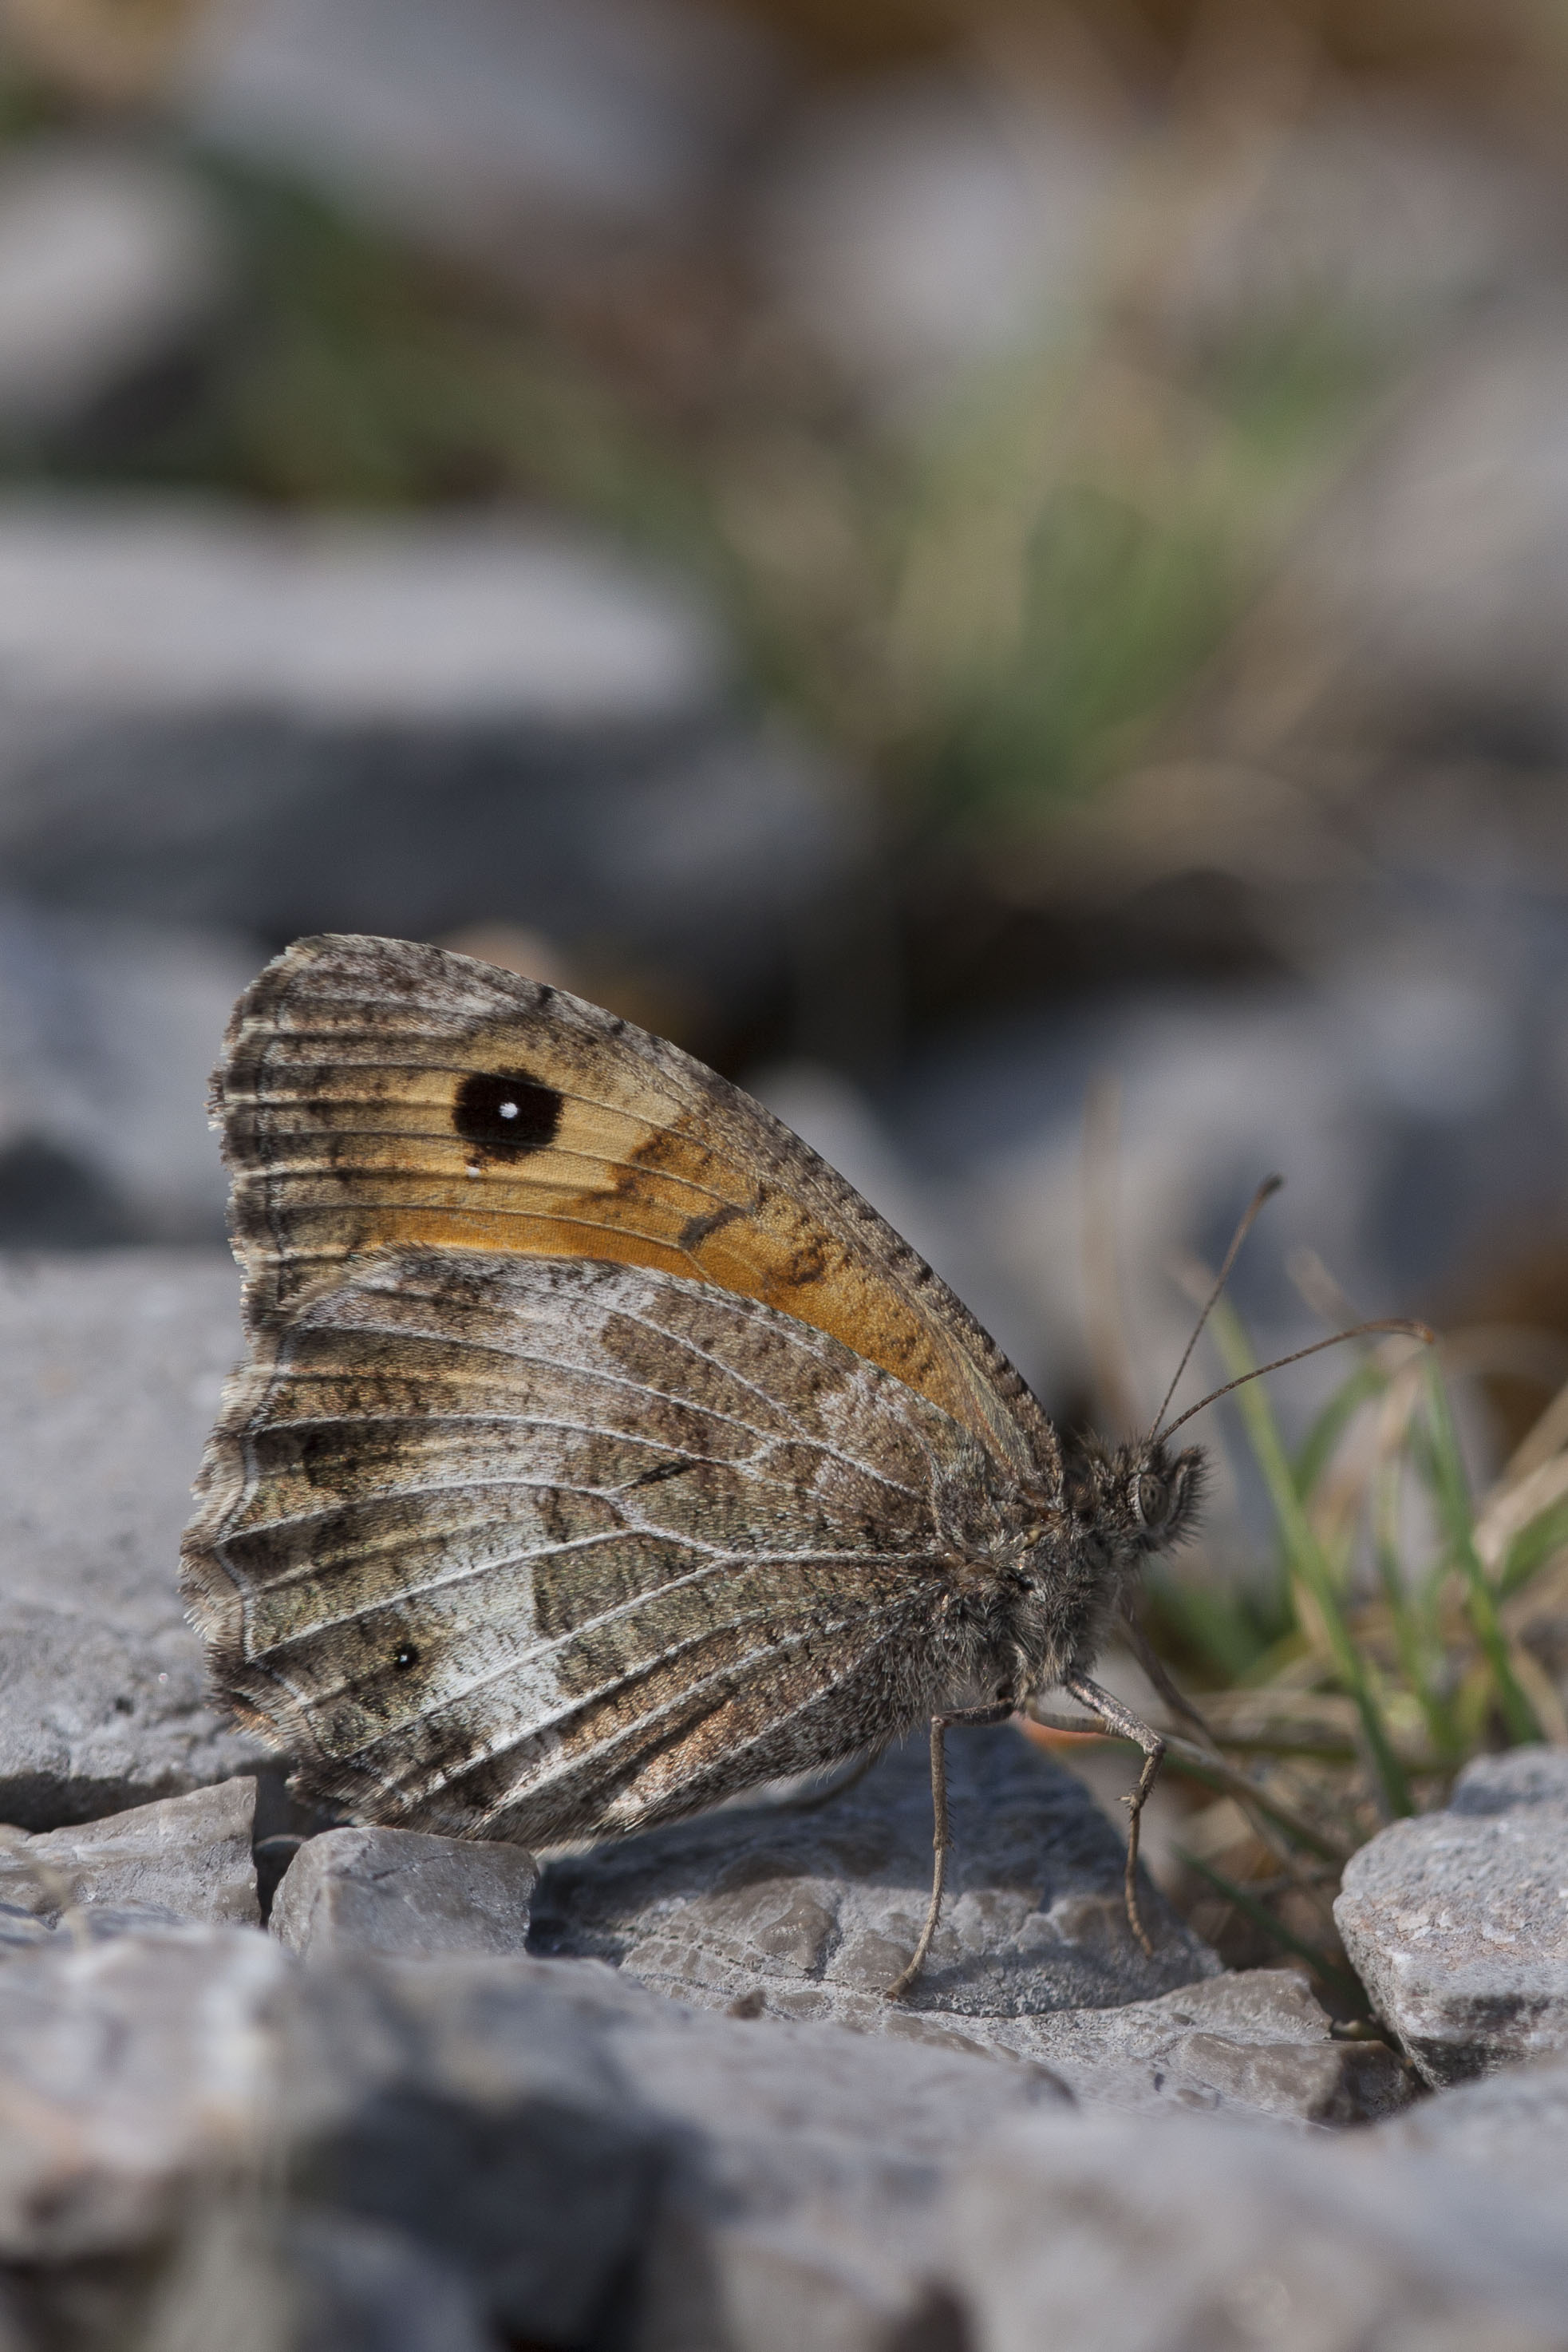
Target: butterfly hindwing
x=377, y=1094
x=498, y=1545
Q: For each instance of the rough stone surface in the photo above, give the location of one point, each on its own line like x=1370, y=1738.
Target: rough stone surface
x=184, y=1858
x=775, y=1912
x=547, y=2151
x=405, y=1895
x=470, y=2105
x=811, y=1911
x=244, y=2275
x=1252, y=2045
x=1512, y=2125
x=1458, y=1922
x=129, y=2071
x=798, y=2212
x=110, y=1371
x=1136, y=2235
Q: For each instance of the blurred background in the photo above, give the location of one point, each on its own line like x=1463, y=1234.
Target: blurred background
x=963, y=561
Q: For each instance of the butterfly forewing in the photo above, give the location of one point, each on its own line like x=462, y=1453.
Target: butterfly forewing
x=507, y=1546
x=377, y=1094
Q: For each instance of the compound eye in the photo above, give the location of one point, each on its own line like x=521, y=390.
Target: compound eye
x=1150, y=1502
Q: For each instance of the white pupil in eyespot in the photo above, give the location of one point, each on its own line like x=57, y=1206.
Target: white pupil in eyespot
x=508, y=1110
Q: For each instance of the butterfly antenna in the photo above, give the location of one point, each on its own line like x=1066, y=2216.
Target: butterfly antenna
x=1404, y=1325
x=1265, y=1191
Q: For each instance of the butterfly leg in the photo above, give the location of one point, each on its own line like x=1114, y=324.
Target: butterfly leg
x=940, y=1839
x=1120, y=1719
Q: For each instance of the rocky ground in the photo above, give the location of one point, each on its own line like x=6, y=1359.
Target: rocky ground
x=272, y=2083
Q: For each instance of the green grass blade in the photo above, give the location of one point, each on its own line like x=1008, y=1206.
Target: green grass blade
x=1532, y=1547
x=1317, y=1448
x=1413, y=1645
x=1305, y=1560
x=1451, y=1490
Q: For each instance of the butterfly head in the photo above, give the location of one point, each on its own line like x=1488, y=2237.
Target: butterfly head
x=1137, y=1499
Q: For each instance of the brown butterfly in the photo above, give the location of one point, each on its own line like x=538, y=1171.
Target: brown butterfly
x=600, y=1451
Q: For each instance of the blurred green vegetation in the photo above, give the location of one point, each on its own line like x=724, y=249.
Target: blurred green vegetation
x=1402, y=1628
x=988, y=607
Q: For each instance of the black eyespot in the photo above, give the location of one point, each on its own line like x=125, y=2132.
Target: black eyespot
x=404, y=1656
x=507, y=1113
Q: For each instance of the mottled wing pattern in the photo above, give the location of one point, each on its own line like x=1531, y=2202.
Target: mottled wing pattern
x=376, y=1093
x=508, y=1547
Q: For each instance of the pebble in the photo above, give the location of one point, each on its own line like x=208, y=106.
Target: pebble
x=184, y=1858
x=1457, y=1922
x=402, y=1894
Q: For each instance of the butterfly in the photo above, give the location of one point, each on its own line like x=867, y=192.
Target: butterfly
x=600, y=1452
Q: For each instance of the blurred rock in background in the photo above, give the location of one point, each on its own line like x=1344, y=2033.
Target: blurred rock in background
x=495, y=126
x=111, y=268
x=938, y=557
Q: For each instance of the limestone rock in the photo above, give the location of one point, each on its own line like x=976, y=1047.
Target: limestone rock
x=244, y=2274
x=801, y=2210
x=1131, y=2234
x=107, y=1034
x=129, y=2071
x=110, y=1371
x=228, y=723
x=110, y=262
x=183, y=1858
x=470, y=2106
x=1456, y=1921
x=506, y=134
x=1512, y=2125
x=403, y=1895
x=1253, y=2044
x=774, y=1912
x=812, y=1912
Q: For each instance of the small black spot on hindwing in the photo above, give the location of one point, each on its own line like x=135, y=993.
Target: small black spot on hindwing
x=404, y=1656
x=507, y=1113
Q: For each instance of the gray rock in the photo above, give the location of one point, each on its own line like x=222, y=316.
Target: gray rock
x=496, y=129
x=184, y=1858
x=917, y=227
x=111, y=261
x=131, y=2071
x=110, y=1371
x=811, y=1912
x=1131, y=2235
x=227, y=722
x=542, y=2148
x=253, y=2278
x=357, y=2288
x=1252, y=2045
x=802, y=2212
x=1457, y=1922
x=474, y=2107
x=778, y=1913
x=108, y=1031
x=403, y=1895
x=1512, y=2125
